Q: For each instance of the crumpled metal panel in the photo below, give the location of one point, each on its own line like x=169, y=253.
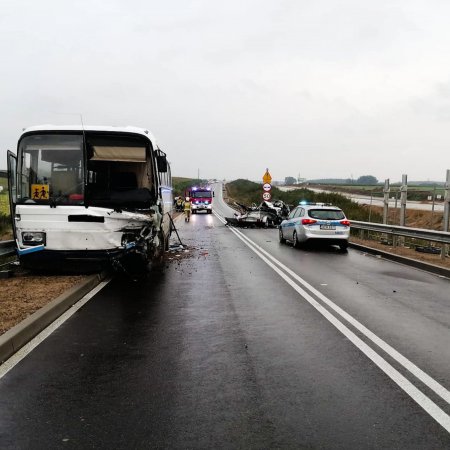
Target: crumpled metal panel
x=64, y=235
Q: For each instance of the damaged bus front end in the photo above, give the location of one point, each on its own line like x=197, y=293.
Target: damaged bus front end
x=84, y=198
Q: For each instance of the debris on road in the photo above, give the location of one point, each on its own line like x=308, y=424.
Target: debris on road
x=267, y=214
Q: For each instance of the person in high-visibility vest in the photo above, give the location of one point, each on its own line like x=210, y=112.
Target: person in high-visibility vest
x=187, y=209
x=179, y=204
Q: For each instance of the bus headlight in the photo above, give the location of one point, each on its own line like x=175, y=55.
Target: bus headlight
x=33, y=238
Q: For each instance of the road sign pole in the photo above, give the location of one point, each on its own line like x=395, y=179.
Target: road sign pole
x=267, y=179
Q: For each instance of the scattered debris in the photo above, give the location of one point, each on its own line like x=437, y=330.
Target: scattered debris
x=429, y=249
x=6, y=273
x=267, y=214
x=175, y=248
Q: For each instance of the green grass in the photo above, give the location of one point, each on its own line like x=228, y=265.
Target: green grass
x=180, y=184
x=248, y=192
x=4, y=204
x=5, y=220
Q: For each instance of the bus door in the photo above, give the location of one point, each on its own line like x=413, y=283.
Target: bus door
x=12, y=188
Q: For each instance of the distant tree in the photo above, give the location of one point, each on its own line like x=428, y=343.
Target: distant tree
x=366, y=179
x=290, y=180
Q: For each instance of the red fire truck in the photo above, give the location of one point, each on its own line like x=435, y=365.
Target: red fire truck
x=201, y=198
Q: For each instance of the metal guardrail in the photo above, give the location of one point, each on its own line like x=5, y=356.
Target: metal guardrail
x=442, y=237
x=7, y=248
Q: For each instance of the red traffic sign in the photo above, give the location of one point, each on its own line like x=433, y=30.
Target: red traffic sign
x=267, y=187
x=267, y=196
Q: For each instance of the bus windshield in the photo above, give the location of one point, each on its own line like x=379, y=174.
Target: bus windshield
x=50, y=169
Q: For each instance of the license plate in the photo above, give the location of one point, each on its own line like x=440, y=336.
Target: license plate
x=327, y=227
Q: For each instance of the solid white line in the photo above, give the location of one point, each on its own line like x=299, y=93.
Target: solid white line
x=44, y=334
x=405, y=362
x=418, y=396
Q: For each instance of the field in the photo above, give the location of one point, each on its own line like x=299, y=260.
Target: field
x=4, y=204
x=5, y=221
x=4, y=198
x=418, y=193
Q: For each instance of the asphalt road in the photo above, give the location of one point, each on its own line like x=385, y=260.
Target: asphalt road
x=243, y=343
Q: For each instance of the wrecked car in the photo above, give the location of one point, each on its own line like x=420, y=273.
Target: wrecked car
x=265, y=215
x=89, y=196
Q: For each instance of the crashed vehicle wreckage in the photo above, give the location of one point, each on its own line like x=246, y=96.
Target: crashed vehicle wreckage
x=265, y=215
x=83, y=198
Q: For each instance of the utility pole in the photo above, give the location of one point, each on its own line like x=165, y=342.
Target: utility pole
x=432, y=207
x=447, y=201
x=446, y=210
x=403, y=197
x=386, y=192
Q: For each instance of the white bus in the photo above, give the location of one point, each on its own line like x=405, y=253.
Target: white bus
x=83, y=198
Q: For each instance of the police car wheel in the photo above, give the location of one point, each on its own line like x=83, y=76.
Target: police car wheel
x=295, y=240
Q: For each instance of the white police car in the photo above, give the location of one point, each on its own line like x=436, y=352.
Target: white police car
x=317, y=222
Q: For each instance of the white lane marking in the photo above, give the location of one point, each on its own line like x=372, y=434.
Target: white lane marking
x=405, y=362
x=44, y=334
x=418, y=396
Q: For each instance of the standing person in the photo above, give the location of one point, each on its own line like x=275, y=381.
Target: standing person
x=179, y=205
x=187, y=209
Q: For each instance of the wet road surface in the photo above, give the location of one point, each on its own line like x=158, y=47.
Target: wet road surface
x=218, y=350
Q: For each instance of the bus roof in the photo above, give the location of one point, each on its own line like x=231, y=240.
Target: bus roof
x=100, y=128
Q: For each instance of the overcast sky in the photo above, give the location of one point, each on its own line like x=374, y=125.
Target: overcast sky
x=323, y=88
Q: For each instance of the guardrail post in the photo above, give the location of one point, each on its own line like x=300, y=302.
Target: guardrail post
x=394, y=240
x=446, y=211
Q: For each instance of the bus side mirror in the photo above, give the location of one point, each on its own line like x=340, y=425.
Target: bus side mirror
x=214, y=194
x=162, y=163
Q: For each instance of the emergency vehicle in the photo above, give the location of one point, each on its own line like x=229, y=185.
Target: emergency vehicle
x=201, y=198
